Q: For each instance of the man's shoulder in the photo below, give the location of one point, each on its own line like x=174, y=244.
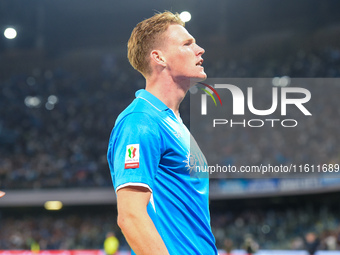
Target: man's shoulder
x=139, y=105
x=136, y=120
x=138, y=112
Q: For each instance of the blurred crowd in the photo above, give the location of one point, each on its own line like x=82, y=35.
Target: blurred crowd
x=55, y=124
x=313, y=141
x=286, y=228
x=51, y=232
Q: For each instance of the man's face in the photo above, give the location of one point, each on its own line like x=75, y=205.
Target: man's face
x=183, y=56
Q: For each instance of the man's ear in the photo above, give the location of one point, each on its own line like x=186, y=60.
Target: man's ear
x=158, y=58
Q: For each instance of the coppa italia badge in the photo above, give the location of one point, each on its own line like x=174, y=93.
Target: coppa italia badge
x=132, y=156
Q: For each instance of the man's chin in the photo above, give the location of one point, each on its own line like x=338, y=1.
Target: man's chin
x=199, y=78
x=192, y=81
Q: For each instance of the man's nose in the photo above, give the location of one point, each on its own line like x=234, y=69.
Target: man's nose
x=200, y=50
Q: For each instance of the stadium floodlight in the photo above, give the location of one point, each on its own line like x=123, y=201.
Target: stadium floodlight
x=185, y=16
x=52, y=99
x=10, y=33
x=283, y=81
x=32, y=101
x=53, y=205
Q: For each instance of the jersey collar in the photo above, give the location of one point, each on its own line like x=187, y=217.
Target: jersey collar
x=151, y=99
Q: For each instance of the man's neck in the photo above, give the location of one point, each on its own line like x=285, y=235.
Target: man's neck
x=168, y=91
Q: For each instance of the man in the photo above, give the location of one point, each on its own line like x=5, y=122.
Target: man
x=162, y=206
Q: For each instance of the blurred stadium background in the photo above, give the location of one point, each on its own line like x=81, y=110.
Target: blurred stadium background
x=65, y=77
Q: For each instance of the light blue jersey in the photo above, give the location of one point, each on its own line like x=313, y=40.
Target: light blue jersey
x=150, y=147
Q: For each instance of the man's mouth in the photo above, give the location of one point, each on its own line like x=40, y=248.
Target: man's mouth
x=199, y=63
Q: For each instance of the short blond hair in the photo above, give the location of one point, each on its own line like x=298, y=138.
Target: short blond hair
x=145, y=36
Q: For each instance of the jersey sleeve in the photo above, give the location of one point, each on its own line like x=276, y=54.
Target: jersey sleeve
x=134, y=151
